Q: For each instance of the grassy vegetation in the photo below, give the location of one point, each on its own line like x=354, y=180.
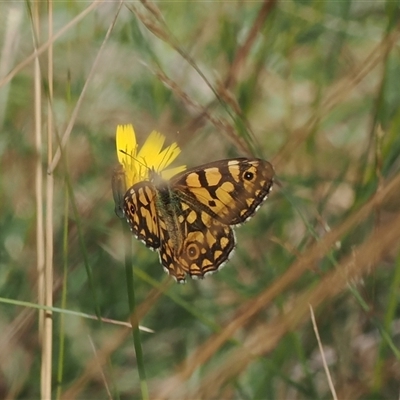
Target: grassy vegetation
x=313, y=87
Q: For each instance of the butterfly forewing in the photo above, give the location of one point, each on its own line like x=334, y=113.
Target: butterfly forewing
x=229, y=190
x=141, y=213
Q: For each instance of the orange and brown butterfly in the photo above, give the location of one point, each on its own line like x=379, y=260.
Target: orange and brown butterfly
x=186, y=215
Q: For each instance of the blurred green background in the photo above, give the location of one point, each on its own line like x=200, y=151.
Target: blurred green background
x=311, y=86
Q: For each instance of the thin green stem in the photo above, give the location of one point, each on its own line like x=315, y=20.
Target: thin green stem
x=61, y=348
x=132, y=308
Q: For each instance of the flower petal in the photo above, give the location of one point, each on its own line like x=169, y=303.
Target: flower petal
x=126, y=152
x=149, y=154
x=168, y=155
x=126, y=143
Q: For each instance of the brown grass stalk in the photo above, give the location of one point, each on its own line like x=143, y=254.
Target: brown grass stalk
x=47, y=344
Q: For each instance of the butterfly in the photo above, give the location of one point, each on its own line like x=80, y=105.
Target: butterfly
x=189, y=219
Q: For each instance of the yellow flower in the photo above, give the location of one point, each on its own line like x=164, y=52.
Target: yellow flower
x=137, y=165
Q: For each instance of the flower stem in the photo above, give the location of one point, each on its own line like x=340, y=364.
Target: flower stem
x=132, y=308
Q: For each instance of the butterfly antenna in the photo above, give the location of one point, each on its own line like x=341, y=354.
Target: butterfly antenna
x=143, y=164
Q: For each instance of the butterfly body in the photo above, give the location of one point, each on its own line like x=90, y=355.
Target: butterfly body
x=189, y=219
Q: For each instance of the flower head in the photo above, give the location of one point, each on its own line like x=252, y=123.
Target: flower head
x=137, y=165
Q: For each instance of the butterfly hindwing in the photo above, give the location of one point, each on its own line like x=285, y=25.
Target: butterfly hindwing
x=206, y=244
